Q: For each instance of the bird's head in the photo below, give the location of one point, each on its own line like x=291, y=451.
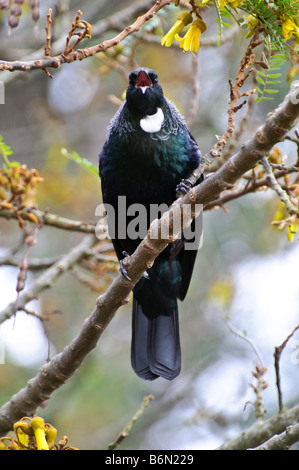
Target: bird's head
x=144, y=94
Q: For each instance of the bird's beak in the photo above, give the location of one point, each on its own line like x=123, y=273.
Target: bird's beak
x=143, y=81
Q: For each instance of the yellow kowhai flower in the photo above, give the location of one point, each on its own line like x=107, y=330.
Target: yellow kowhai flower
x=289, y=29
x=252, y=22
x=292, y=230
x=183, y=20
x=223, y=3
x=236, y=3
x=232, y=3
x=190, y=42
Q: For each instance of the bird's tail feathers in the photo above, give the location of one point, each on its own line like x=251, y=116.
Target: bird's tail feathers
x=155, y=350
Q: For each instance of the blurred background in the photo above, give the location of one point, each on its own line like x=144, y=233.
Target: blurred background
x=246, y=273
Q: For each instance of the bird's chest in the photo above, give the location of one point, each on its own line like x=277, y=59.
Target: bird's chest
x=147, y=170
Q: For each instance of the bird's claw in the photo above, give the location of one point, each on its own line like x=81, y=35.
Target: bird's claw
x=146, y=275
x=183, y=187
x=122, y=268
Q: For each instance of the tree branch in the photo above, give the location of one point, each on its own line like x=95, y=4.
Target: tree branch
x=80, y=54
x=46, y=279
x=252, y=186
x=113, y=23
x=53, y=374
x=127, y=429
x=291, y=208
x=281, y=441
x=51, y=219
x=262, y=430
x=277, y=353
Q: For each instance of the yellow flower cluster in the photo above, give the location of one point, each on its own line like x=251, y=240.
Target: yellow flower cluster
x=191, y=40
x=183, y=20
x=223, y=3
x=231, y=3
x=252, y=24
x=34, y=434
x=290, y=27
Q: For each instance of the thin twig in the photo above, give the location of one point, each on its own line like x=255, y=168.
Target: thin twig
x=127, y=429
x=46, y=279
x=258, y=390
x=48, y=40
x=292, y=139
x=291, y=208
x=48, y=33
x=71, y=32
x=251, y=186
x=241, y=335
x=77, y=24
x=228, y=151
x=277, y=354
x=287, y=169
x=33, y=264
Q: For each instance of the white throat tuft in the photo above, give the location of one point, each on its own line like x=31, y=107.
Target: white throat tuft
x=152, y=123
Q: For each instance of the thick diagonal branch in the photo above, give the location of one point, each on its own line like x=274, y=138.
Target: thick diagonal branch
x=53, y=374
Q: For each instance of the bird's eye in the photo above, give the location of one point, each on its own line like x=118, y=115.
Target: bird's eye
x=133, y=76
x=154, y=78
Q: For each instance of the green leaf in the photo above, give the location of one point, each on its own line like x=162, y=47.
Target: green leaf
x=268, y=13
x=14, y=164
x=258, y=90
x=5, y=151
x=260, y=80
x=83, y=162
x=278, y=56
x=272, y=19
x=225, y=13
x=271, y=91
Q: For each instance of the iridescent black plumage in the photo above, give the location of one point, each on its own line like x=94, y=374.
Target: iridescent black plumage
x=148, y=151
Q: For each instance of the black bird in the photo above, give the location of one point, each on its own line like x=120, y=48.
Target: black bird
x=149, y=153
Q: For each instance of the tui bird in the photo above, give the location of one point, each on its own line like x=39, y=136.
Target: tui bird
x=148, y=156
